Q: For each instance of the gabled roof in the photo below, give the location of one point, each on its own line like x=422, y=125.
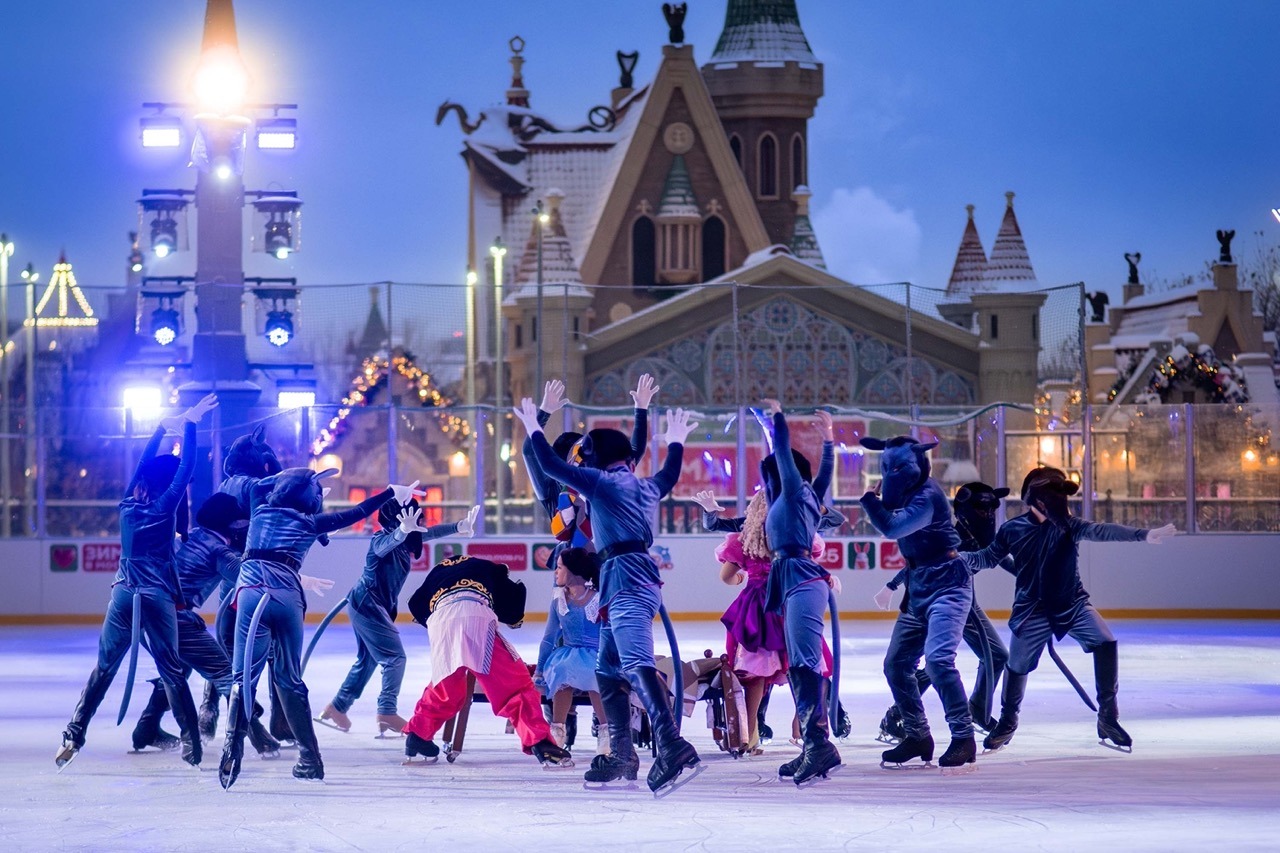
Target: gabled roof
x=677, y=72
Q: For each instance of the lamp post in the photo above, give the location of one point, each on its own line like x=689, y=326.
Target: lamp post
x=6, y=474
x=30, y=276
x=542, y=219
x=498, y=251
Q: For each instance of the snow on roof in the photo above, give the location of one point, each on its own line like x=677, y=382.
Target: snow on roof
x=968, y=274
x=762, y=31
x=1156, y=321
x=1009, y=267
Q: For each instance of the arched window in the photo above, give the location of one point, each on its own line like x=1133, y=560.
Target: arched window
x=643, y=260
x=768, y=183
x=735, y=145
x=798, y=177
x=713, y=256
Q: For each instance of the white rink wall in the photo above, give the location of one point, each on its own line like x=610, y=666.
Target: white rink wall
x=1227, y=575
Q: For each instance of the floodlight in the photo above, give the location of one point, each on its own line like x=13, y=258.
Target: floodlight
x=279, y=327
x=277, y=133
x=164, y=326
x=161, y=131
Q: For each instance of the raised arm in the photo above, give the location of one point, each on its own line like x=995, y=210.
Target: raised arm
x=643, y=395
x=186, y=467
x=678, y=428
x=148, y=452
x=827, y=465
x=788, y=473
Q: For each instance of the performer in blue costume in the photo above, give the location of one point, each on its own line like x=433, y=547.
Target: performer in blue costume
x=975, y=506
x=798, y=587
x=210, y=559
x=148, y=521
x=285, y=522
x=373, y=604
x=623, y=507
x=913, y=509
x=1050, y=600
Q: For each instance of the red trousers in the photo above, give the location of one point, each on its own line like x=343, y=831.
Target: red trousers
x=507, y=685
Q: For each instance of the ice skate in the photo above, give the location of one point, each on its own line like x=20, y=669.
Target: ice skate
x=891, y=730
x=671, y=762
x=816, y=763
x=986, y=723
x=788, y=770
x=267, y=747
x=611, y=768
x=208, y=720
x=229, y=764
x=393, y=723
x=162, y=741
x=766, y=733
x=309, y=769
x=334, y=719
x=1015, y=687
x=551, y=755
x=1112, y=736
x=1000, y=735
x=844, y=726
x=192, y=749
x=419, y=752
x=66, y=753
x=909, y=748
x=960, y=757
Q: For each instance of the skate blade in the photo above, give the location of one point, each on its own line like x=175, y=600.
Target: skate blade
x=686, y=776
x=961, y=769
x=812, y=780
x=924, y=765
x=389, y=734
x=63, y=764
x=269, y=755
x=330, y=724
x=420, y=762
x=615, y=785
x=885, y=737
x=1109, y=744
x=553, y=767
x=1000, y=748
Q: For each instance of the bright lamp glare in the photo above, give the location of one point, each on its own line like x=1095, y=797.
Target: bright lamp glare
x=282, y=253
x=164, y=326
x=161, y=137
x=142, y=400
x=295, y=399
x=277, y=139
x=223, y=171
x=221, y=82
x=279, y=327
x=162, y=251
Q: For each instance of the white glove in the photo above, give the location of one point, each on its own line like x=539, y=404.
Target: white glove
x=707, y=500
x=403, y=494
x=553, y=396
x=884, y=597
x=833, y=581
x=825, y=425
x=316, y=585
x=411, y=521
x=467, y=527
x=678, y=426
x=775, y=407
x=196, y=413
x=528, y=415
x=1157, y=535
x=645, y=389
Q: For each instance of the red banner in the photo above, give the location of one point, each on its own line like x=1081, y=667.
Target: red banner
x=101, y=556
x=514, y=554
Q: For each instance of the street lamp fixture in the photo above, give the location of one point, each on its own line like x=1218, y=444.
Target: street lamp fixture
x=280, y=216
x=277, y=133
x=165, y=324
x=166, y=208
x=279, y=327
x=164, y=236
x=275, y=295
x=161, y=131
x=135, y=253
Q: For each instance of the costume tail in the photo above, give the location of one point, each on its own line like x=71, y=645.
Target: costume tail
x=218, y=617
x=134, y=642
x=678, y=677
x=1053, y=653
x=324, y=623
x=833, y=704
x=246, y=689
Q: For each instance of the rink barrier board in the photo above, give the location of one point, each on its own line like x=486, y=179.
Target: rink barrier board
x=1219, y=576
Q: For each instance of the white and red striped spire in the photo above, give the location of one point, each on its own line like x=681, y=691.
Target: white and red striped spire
x=1009, y=267
x=969, y=272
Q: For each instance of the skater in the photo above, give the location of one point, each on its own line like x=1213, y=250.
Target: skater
x=571, y=642
x=975, y=505
x=270, y=603
x=210, y=558
x=146, y=587
x=461, y=603
x=910, y=506
x=623, y=507
x=1050, y=600
x=373, y=604
x=798, y=588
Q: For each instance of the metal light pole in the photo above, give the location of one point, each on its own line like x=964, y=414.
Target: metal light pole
x=542, y=219
x=6, y=474
x=498, y=251
x=29, y=510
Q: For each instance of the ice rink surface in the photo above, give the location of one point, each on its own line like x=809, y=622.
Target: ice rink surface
x=1201, y=700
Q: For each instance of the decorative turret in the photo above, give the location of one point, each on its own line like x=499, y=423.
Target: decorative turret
x=517, y=94
x=804, y=242
x=679, y=221
x=1009, y=267
x=765, y=83
x=969, y=273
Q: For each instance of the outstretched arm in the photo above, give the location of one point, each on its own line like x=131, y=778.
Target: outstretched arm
x=788, y=473
x=895, y=524
x=1097, y=531
x=581, y=479
x=678, y=428
x=148, y=452
x=827, y=465
x=186, y=467
x=327, y=522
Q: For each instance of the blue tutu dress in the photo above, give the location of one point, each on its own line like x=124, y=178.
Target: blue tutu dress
x=567, y=657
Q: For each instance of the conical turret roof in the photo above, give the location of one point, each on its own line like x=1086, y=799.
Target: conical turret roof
x=1009, y=267
x=762, y=31
x=969, y=273
x=678, y=200
x=804, y=241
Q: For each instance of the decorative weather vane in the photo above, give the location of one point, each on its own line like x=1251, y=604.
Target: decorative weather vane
x=674, y=13
x=627, y=62
x=1133, y=265
x=1224, y=242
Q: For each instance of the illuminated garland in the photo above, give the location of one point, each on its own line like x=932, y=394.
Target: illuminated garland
x=1223, y=383
x=365, y=387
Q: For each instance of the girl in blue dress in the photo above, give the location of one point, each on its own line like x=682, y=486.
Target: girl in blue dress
x=567, y=657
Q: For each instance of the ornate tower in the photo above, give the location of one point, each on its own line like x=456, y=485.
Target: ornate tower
x=765, y=83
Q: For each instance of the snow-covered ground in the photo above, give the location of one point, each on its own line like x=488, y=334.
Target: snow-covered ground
x=1201, y=699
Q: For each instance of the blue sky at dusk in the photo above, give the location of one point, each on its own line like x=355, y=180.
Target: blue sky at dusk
x=1139, y=125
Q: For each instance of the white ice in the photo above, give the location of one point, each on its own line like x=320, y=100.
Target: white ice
x=1201, y=699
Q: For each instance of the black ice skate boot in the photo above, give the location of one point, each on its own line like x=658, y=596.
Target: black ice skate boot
x=419, y=751
x=766, y=732
x=233, y=746
x=891, y=729
x=550, y=755
x=622, y=763
x=278, y=723
x=184, y=711
x=208, y=723
x=909, y=748
x=1015, y=687
x=961, y=756
x=674, y=753
x=298, y=713
x=147, y=731
x=983, y=721
x=263, y=743
x=1106, y=672
x=819, y=755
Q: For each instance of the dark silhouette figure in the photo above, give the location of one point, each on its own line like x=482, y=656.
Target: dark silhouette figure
x=1098, y=301
x=1133, y=265
x=1224, y=241
x=674, y=13
x=627, y=62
